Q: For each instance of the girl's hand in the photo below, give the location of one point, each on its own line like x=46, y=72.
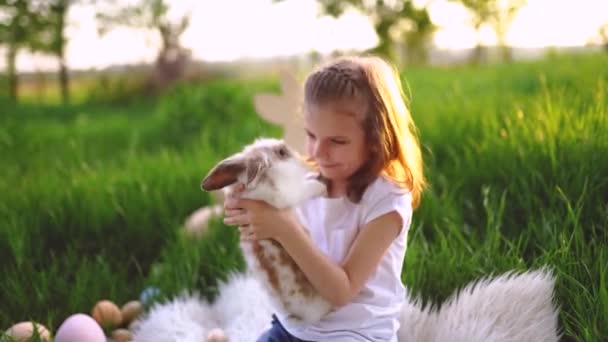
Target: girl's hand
x=258, y=220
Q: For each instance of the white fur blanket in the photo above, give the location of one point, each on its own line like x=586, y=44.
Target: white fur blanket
x=514, y=307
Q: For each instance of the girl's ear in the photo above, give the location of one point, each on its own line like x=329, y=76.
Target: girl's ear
x=223, y=174
x=373, y=148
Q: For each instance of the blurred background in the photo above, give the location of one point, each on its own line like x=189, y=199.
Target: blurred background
x=186, y=38
x=111, y=112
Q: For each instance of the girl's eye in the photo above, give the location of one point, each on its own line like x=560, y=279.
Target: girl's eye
x=309, y=135
x=338, y=142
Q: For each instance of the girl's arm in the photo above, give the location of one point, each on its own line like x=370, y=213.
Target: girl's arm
x=339, y=284
x=336, y=283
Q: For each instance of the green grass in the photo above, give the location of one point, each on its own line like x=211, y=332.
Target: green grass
x=94, y=195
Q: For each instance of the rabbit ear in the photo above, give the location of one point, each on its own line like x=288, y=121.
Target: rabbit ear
x=290, y=87
x=227, y=171
x=224, y=173
x=255, y=166
x=272, y=108
x=281, y=109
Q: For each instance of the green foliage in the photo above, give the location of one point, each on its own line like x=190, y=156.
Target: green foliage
x=94, y=196
x=84, y=186
x=394, y=21
x=38, y=26
x=514, y=157
x=145, y=14
x=119, y=89
x=198, y=265
x=152, y=15
x=218, y=121
x=20, y=26
x=499, y=15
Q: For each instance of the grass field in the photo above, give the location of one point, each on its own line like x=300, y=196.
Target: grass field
x=94, y=194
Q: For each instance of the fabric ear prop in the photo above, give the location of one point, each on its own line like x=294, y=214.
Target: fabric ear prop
x=284, y=110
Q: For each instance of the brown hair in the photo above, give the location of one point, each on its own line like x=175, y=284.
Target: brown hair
x=370, y=88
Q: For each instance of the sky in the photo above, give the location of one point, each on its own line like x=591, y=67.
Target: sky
x=230, y=29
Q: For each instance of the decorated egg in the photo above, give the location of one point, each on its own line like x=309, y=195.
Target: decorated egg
x=79, y=328
x=121, y=335
x=24, y=332
x=148, y=294
x=107, y=314
x=134, y=325
x=130, y=311
x=216, y=335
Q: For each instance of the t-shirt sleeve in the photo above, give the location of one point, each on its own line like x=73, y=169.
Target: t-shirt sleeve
x=387, y=200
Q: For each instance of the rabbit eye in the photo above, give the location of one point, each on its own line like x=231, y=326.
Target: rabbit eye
x=282, y=152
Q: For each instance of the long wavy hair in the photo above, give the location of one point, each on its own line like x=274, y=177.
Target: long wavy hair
x=370, y=88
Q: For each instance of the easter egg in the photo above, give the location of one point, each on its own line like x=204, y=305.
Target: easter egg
x=134, y=325
x=121, y=335
x=107, y=314
x=216, y=335
x=131, y=310
x=79, y=328
x=24, y=332
x=148, y=294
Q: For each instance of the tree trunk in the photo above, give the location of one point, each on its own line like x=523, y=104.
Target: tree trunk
x=40, y=85
x=385, y=47
x=506, y=53
x=13, y=78
x=61, y=11
x=64, y=81
x=478, y=51
x=478, y=54
x=416, y=49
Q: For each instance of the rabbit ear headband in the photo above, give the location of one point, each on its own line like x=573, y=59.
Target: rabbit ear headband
x=284, y=110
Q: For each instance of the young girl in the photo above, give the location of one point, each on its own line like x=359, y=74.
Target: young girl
x=362, y=140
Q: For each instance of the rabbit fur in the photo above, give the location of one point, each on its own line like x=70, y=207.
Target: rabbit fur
x=262, y=171
x=514, y=306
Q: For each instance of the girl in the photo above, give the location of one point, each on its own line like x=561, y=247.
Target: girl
x=362, y=141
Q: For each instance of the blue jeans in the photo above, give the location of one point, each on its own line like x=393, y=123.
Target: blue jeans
x=277, y=333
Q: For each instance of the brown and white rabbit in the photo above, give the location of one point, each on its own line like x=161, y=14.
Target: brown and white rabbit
x=270, y=171
x=511, y=307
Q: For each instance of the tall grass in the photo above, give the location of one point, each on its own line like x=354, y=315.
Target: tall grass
x=518, y=181
x=94, y=195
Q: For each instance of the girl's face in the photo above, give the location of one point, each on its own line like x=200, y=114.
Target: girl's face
x=336, y=141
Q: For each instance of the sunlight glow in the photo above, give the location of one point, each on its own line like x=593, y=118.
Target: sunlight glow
x=541, y=23
x=558, y=22
x=232, y=29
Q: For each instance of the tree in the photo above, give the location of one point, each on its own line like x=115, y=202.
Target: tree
x=416, y=32
x=19, y=23
x=603, y=33
x=501, y=19
x=392, y=20
x=499, y=14
x=152, y=15
x=53, y=15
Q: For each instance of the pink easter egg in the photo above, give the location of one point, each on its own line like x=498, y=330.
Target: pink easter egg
x=24, y=332
x=78, y=328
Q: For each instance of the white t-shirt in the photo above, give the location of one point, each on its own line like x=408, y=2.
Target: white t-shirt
x=333, y=224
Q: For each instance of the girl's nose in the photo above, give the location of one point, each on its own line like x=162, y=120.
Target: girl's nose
x=319, y=149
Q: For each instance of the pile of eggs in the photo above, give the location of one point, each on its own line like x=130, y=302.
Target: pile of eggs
x=79, y=327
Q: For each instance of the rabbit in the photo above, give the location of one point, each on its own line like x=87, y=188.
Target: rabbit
x=270, y=171
x=511, y=307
